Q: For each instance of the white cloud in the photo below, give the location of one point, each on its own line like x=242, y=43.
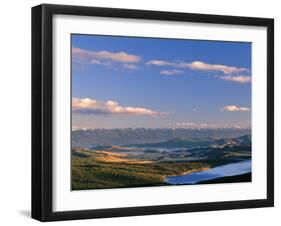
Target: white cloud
x=130, y=66
x=233, y=108
x=185, y=124
x=230, y=73
x=95, y=61
x=196, y=125
x=239, y=79
x=119, y=56
x=161, y=63
x=104, y=57
x=170, y=72
x=192, y=125
x=199, y=65
x=91, y=106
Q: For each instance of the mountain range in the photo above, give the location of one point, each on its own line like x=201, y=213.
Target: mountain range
x=201, y=142
x=93, y=137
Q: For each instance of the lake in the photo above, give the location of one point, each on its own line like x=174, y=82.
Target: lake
x=216, y=172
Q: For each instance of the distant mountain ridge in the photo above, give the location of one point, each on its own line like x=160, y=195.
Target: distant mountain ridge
x=89, y=138
x=201, y=142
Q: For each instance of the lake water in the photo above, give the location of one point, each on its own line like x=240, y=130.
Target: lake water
x=216, y=172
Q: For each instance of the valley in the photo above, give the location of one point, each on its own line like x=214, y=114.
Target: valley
x=149, y=164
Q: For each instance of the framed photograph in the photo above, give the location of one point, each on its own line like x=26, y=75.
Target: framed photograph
x=145, y=112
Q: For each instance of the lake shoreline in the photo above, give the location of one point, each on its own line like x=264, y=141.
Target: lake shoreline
x=212, y=175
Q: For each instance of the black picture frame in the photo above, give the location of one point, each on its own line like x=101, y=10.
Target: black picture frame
x=42, y=106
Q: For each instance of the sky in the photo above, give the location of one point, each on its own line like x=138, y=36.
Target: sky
x=135, y=82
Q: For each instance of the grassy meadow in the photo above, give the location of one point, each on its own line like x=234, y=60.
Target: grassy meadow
x=101, y=169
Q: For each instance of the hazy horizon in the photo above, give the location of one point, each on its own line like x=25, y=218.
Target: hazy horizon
x=188, y=128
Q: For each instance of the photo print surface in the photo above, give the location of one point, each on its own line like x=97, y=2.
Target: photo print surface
x=159, y=112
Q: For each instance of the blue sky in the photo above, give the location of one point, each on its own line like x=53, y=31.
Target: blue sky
x=122, y=82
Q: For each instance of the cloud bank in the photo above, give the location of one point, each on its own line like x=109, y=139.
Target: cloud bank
x=104, y=57
x=91, y=106
x=162, y=63
x=230, y=73
x=239, y=79
x=198, y=65
x=130, y=62
x=196, y=125
x=233, y=108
